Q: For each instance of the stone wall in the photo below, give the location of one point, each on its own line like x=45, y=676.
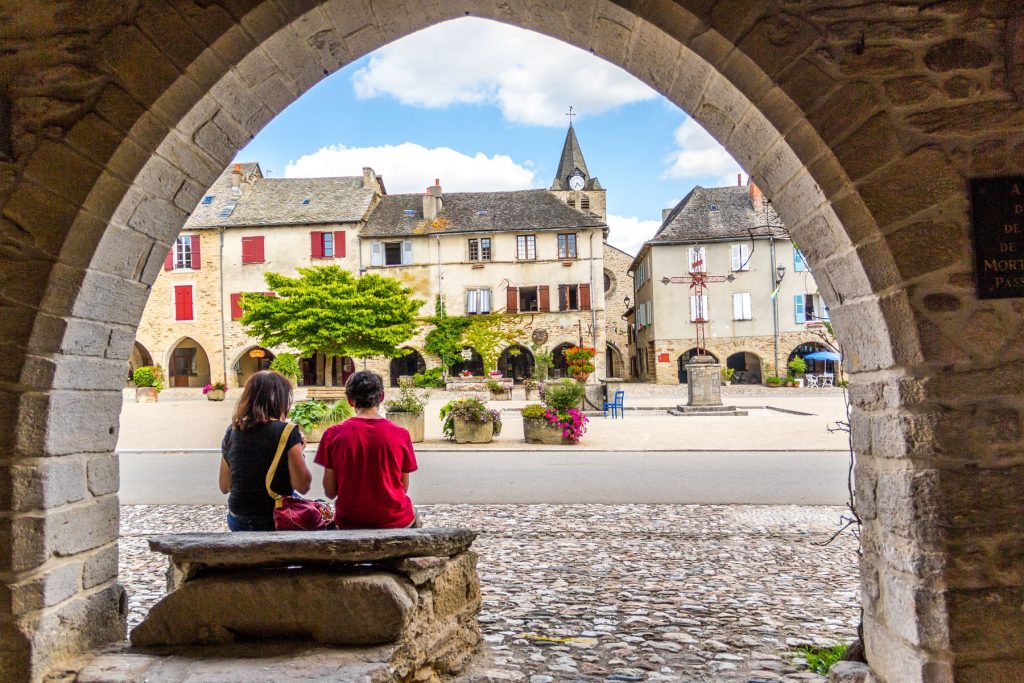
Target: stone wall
x=861, y=122
x=616, y=266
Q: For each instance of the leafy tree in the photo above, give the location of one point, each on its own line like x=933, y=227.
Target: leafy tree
x=445, y=340
x=489, y=334
x=327, y=310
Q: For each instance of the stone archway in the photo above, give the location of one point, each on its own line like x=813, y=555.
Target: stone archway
x=250, y=361
x=860, y=122
x=187, y=365
x=516, y=367
x=684, y=358
x=140, y=357
x=406, y=366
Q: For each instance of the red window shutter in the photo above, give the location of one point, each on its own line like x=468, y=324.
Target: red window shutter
x=183, y=302
x=236, y=306
x=316, y=245
x=169, y=261
x=544, y=298
x=584, y=296
x=512, y=301
x=197, y=257
x=563, y=297
x=339, y=244
x=252, y=249
x=246, y=250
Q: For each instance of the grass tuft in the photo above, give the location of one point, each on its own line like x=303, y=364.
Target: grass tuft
x=819, y=659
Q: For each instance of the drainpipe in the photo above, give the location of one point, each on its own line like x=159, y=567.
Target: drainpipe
x=775, y=303
x=223, y=345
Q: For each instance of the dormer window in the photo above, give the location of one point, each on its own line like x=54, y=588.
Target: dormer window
x=482, y=212
x=208, y=199
x=409, y=212
x=713, y=207
x=305, y=201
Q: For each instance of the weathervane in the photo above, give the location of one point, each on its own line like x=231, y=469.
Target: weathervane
x=698, y=279
x=571, y=114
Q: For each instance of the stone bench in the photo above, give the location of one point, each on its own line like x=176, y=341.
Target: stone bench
x=413, y=591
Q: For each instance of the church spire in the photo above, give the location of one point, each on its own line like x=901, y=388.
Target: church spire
x=571, y=161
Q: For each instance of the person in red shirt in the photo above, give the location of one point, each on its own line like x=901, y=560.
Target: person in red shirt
x=367, y=461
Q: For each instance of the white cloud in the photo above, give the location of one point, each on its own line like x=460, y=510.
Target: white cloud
x=628, y=233
x=698, y=155
x=531, y=77
x=409, y=167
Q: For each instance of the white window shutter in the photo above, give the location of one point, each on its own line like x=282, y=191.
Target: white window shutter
x=737, y=307
x=693, y=307
x=691, y=256
x=737, y=256
x=744, y=257
x=471, y=301
x=747, y=313
x=407, y=252
x=485, y=301
x=704, y=307
x=376, y=254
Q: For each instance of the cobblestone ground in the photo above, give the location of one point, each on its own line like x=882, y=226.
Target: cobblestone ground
x=617, y=592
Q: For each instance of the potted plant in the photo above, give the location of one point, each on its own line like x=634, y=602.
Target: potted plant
x=314, y=417
x=215, y=391
x=288, y=365
x=529, y=386
x=566, y=423
x=149, y=382
x=465, y=374
x=407, y=410
x=498, y=390
x=727, y=375
x=468, y=420
x=797, y=368
x=773, y=381
x=580, y=361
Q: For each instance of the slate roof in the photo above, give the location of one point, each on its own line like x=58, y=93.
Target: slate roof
x=693, y=221
x=571, y=159
x=476, y=212
x=283, y=201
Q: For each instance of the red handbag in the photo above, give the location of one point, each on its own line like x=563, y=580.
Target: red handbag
x=295, y=513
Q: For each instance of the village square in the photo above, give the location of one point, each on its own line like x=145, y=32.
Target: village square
x=498, y=342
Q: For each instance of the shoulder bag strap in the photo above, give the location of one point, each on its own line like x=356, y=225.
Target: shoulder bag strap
x=282, y=442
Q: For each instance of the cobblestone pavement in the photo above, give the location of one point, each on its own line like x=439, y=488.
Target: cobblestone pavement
x=617, y=592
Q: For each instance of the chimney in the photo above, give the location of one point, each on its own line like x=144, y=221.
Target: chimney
x=756, y=196
x=664, y=214
x=432, y=201
x=236, y=176
x=739, y=180
x=369, y=179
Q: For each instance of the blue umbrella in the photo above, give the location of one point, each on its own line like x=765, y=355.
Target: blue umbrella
x=823, y=355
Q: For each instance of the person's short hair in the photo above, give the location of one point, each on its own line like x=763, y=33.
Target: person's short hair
x=364, y=389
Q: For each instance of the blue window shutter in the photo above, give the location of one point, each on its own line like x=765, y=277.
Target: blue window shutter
x=799, y=264
x=798, y=301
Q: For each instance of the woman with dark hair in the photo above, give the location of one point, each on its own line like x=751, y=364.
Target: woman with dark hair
x=249, y=446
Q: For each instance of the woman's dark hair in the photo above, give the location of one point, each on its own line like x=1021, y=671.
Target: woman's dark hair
x=364, y=389
x=267, y=396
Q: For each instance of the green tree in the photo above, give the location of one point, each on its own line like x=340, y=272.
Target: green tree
x=327, y=310
x=489, y=334
x=445, y=340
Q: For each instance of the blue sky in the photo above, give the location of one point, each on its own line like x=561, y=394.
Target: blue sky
x=491, y=116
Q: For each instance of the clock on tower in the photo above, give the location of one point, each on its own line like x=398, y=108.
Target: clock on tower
x=576, y=180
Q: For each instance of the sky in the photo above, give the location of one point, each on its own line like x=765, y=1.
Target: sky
x=491, y=115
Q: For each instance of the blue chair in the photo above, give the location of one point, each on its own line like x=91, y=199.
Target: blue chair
x=617, y=404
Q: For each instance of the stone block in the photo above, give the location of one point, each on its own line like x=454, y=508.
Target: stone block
x=275, y=604
x=62, y=170
x=122, y=252
x=103, y=474
x=82, y=527
x=844, y=110
x=775, y=42
x=863, y=329
x=100, y=566
x=79, y=372
x=62, y=422
x=45, y=589
x=911, y=185
x=138, y=65
x=986, y=621
x=892, y=659
x=692, y=77
x=850, y=672
x=456, y=590
x=42, y=483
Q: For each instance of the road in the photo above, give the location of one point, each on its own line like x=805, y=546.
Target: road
x=753, y=477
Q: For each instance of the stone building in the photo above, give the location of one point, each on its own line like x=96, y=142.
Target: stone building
x=244, y=226
x=864, y=123
x=618, y=285
x=767, y=312
x=525, y=252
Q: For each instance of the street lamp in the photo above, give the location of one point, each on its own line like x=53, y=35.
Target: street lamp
x=627, y=301
x=780, y=274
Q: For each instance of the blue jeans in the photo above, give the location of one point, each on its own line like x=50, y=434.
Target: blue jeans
x=243, y=523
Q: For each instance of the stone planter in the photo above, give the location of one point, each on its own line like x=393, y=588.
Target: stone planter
x=539, y=430
x=146, y=395
x=413, y=422
x=316, y=433
x=502, y=395
x=215, y=395
x=473, y=432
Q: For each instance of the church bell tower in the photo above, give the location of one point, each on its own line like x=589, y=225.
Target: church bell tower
x=573, y=183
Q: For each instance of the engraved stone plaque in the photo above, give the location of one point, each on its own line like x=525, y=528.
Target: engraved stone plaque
x=997, y=217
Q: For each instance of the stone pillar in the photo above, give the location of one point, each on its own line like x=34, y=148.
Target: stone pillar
x=704, y=381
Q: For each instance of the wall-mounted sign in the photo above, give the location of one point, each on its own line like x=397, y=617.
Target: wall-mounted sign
x=257, y=353
x=662, y=357
x=540, y=336
x=997, y=215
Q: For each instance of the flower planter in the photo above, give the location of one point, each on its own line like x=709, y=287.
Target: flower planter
x=581, y=376
x=314, y=434
x=473, y=432
x=412, y=422
x=500, y=396
x=215, y=395
x=146, y=395
x=539, y=430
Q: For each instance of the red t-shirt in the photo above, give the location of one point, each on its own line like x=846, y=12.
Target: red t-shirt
x=368, y=458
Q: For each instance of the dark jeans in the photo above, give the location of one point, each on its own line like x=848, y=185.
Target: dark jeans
x=243, y=523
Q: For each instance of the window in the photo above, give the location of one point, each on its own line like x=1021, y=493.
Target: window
x=695, y=257
x=699, y=308
x=226, y=211
x=183, y=309
x=567, y=246
x=328, y=240
x=528, y=299
x=571, y=201
x=478, y=301
x=526, y=247
x=183, y=362
x=185, y=255
x=208, y=199
x=809, y=308
x=480, y=249
x=305, y=201
x=391, y=253
x=641, y=310
x=327, y=244
x=252, y=249
x=607, y=282
x=740, y=257
x=799, y=264
x=585, y=203
x=741, y=306
x=568, y=298
x=713, y=207
x=640, y=276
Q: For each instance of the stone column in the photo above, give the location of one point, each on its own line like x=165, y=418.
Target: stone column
x=704, y=381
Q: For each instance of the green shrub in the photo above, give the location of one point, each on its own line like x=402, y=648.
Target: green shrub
x=727, y=374
x=819, y=659
x=562, y=395
x=149, y=376
x=773, y=381
x=495, y=387
x=311, y=415
x=431, y=379
x=797, y=366
x=534, y=411
x=287, y=364
x=407, y=401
